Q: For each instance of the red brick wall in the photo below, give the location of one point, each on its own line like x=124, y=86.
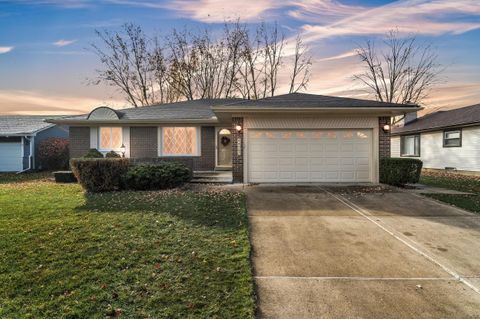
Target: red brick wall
x=237, y=150
x=144, y=148
x=384, y=137
x=79, y=140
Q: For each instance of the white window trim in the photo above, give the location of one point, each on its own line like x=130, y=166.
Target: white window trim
x=160, y=142
x=118, y=150
x=416, y=137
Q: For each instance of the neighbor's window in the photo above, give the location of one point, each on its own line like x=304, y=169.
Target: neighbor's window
x=110, y=138
x=452, y=138
x=410, y=145
x=180, y=141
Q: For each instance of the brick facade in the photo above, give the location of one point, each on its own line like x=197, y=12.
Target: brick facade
x=143, y=142
x=79, y=140
x=237, y=150
x=384, y=137
x=144, y=148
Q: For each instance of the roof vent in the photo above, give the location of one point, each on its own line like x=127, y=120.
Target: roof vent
x=103, y=113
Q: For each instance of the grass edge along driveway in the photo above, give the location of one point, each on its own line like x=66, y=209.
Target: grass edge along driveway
x=170, y=254
x=463, y=183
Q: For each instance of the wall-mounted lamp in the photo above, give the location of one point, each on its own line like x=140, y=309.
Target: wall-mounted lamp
x=238, y=128
x=386, y=128
x=122, y=150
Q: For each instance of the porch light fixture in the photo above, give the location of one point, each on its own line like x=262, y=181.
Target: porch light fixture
x=122, y=150
x=386, y=128
x=238, y=128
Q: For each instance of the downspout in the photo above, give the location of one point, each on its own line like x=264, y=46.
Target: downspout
x=30, y=156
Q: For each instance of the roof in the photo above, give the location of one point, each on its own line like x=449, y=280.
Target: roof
x=17, y=125
x=304, y=100
x=185, y=110
x=209, y=110
x=469, y=115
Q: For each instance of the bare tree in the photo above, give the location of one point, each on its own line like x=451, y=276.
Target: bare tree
x=404, y=72
x=274, y=42
x=187, y=65
x=125, y=61
x=301, y=66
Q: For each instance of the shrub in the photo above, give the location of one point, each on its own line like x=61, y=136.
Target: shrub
x=100, y=174
x=160, y=176
x=400, y=171
x=93, y=153
x=112, y=154
x=53, y=153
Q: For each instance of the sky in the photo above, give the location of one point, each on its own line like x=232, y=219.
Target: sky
x=46, y=66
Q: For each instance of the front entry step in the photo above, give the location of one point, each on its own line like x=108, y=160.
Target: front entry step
x=216, y=177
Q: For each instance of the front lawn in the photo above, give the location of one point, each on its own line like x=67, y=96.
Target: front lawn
x=463, y=183
x=174, y=254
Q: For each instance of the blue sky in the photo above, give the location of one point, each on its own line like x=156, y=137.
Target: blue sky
x=45, y=64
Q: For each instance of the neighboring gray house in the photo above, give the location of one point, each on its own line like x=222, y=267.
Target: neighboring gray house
x=19, y=138
x=442, y=140
x=287, y=138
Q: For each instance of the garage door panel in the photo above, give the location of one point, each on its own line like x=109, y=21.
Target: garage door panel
x=11, y=157
x=310, y=155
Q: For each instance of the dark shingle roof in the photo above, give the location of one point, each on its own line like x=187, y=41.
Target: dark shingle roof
x=442, y=119
x=303, y=100
x=184, y=110
x=23, y=124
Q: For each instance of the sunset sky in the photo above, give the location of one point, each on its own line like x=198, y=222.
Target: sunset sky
x=45, y=64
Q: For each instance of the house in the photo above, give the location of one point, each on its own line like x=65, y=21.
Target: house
x=19, y=137
x=442, y=140
x=287, y=138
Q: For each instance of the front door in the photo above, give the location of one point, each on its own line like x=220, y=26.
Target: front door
x=224, y=148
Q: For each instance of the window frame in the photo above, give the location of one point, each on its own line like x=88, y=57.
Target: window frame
x=99, y=139
x=160, y=141
x=402, y=141
x=459, y=130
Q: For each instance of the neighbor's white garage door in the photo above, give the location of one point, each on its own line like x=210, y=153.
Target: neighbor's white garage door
x=10, y=157
x=310, y=155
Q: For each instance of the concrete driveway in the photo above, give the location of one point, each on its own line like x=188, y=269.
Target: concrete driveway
x=362, y=252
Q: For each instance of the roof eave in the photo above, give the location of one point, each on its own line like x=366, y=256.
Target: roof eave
x=390, y=110
x=139, y=121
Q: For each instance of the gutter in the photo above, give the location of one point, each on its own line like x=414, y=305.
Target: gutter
x=31, y=156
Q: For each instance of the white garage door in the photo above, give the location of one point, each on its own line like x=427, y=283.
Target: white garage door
x=10, y=157
x=310, y=155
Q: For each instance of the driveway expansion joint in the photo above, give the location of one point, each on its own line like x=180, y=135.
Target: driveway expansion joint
x=365, y=213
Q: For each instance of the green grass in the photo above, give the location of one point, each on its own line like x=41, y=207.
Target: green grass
x=177, y=254
x=469, y=184
x=7, y=178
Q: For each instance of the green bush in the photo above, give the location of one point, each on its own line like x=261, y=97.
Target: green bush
x=160, y=176
x=93, y=153
x=400, y=171
x=100, y=174
x=112, y=154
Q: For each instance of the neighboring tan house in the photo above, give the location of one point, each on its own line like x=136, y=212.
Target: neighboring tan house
x=287, y=138
x=442, y=140
x=20, y=136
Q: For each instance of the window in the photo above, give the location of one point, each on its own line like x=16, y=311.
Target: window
x=110, y=138
x=452, y=138
x=410, y=145
x=180, y=141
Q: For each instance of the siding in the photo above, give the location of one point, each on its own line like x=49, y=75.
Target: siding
x=434, y=155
